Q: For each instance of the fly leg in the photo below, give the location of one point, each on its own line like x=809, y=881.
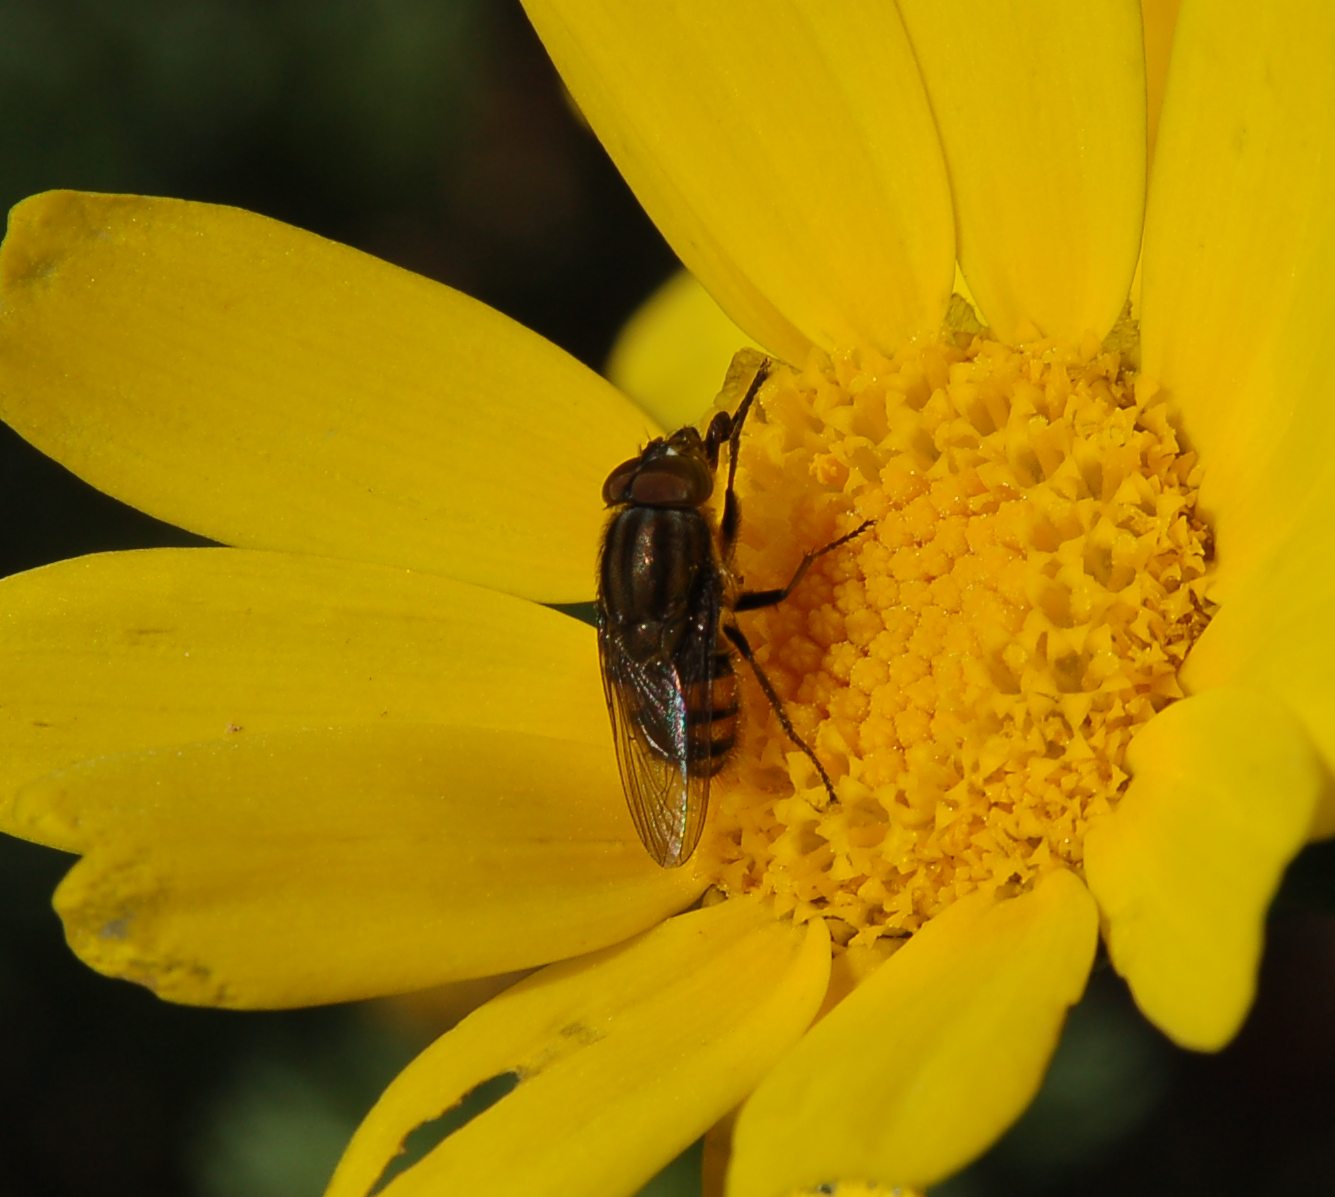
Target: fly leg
x=728, y=428
x=740, y=643
x=753, y=600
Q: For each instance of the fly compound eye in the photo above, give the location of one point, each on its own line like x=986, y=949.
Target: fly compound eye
x=617, y=487
x=672, y=482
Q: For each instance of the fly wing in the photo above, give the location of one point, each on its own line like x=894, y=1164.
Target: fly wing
x=742, y=371
x=665, y=781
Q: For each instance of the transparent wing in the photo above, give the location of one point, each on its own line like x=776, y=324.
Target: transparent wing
x=666, y=783
x=742, y=370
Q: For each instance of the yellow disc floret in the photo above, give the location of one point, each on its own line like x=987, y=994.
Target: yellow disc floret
x=971, y=669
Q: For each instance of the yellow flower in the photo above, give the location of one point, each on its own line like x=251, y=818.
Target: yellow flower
x=1078, y=674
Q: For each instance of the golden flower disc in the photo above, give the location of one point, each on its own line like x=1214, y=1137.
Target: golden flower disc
x=972, y=668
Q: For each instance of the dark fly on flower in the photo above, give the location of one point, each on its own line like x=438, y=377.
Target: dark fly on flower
x=666, y=628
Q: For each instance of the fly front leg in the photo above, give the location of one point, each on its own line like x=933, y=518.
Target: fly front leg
x=724, y=427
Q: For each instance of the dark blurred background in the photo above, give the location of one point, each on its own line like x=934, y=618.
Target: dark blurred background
x=434, y=133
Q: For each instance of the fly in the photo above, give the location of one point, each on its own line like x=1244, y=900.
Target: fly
x=666, y=629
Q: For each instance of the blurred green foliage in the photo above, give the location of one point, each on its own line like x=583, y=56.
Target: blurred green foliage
x=93, y=93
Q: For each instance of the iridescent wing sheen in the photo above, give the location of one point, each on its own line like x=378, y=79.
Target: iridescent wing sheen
x=666, y=784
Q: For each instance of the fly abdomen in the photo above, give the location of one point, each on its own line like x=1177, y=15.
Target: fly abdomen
x=711, y=716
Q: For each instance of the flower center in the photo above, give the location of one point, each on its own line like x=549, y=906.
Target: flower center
x=971, y=669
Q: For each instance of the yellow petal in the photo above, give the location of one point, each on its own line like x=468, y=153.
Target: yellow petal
x=138, y=650
x=673, y=354
x=1238, y=300
x=1160, y=19
x=1221, y=796
x=302, y=867
x=931, y=1058
x=1274, y=636
x=785, y=150
x=622, y=1060
x=271, y=389
x=440, y=1007
x=1041, y=107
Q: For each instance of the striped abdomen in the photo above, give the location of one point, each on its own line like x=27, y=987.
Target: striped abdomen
x=661, y=601
x=711, y=714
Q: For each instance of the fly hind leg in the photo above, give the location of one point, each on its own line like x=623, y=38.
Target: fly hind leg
x=740, y=643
